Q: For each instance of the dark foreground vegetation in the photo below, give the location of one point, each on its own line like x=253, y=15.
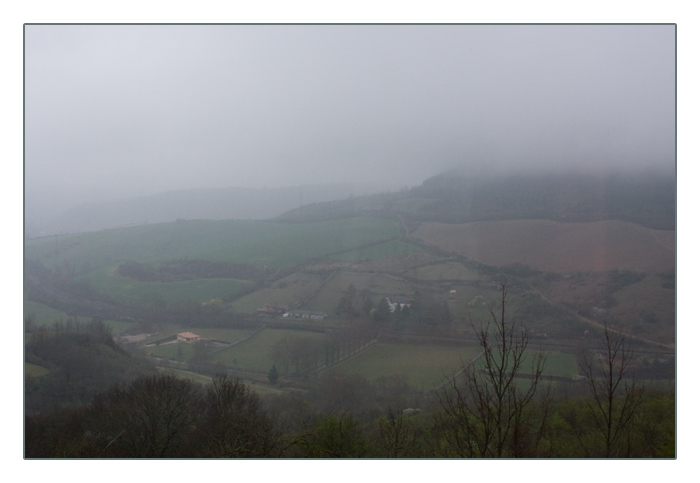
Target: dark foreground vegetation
x=503, y=407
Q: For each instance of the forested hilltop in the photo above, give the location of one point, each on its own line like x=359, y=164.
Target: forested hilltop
x=457, y=196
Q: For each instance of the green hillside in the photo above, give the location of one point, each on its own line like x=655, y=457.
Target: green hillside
x=261, y=243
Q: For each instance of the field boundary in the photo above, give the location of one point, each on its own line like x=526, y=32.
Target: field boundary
x=456, y=374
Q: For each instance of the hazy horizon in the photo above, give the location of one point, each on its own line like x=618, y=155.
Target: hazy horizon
x=115, y=111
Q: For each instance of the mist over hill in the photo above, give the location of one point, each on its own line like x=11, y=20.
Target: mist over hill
x=210, y=204
x=456, y=196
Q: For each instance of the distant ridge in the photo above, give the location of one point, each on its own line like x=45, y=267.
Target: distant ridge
x=212, y=204
x=645, y=198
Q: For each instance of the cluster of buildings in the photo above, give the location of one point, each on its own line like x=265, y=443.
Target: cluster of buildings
x=272, y=310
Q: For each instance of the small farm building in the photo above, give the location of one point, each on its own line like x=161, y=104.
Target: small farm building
x=187, y=337
x=399, y=301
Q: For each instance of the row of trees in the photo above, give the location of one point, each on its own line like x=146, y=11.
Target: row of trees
x=301, y=355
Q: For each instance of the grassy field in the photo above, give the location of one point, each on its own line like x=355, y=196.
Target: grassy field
x=557, y=364
x=176, y=351
x=42, y=314
x=556, y=247
x=377, y=252
x=262, y=243
x=128, y=290
x=444, y=271
x=425, y=366
x=289, y=291
x=182, y=374
x=46, y=316
x=254, y=353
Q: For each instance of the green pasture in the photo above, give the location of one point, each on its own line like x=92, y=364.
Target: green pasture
x=254, y=353
x=287, y=291
x=47, y=316
x=376, y=252
x=444, y=271
x=43, y=314
x=179, y=351
x=557, y=364
x=264, y=390
x=260, y=389
x=427, y=366
x=182, y=374
x=128, y=290
x=118, y=326
x=424, y=366
x=263, y=243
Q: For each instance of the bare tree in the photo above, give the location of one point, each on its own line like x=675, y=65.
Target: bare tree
x=150, y=418
x=398, y=437
x=615, y=397
x=488, y=410
x=233, y=422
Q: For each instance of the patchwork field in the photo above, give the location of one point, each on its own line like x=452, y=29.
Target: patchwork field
x=556, y=247
x=317, y=263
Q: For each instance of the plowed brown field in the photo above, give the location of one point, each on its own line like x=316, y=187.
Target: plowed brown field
x=557, y=247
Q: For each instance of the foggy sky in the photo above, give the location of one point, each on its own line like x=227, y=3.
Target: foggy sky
x=114, y=111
